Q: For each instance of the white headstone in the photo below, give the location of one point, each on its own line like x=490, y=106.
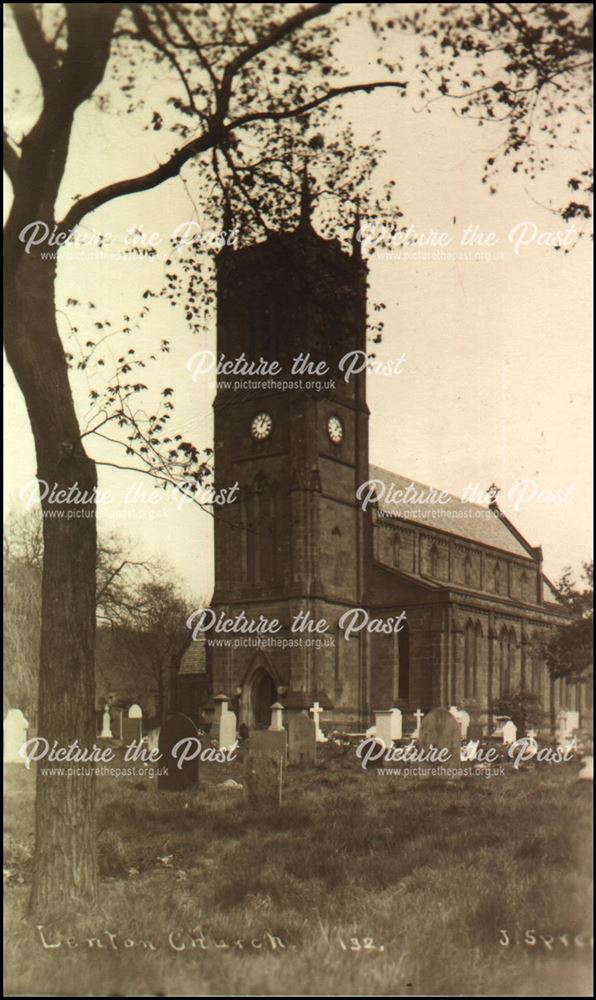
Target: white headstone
x=15, y=734
x=106, y=728
x=152, y=738
x=224, y=723
x=567, y=723
x=418, y=715
x=277, y=713
x=463, y=718
x=316, y=711
x=509, y=732
x=135, y=712
x=388, y=725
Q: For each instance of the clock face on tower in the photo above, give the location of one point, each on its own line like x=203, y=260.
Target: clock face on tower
x=260, y=427
x=335, y=430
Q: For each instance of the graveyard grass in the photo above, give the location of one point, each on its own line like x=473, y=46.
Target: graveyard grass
x=431, y=871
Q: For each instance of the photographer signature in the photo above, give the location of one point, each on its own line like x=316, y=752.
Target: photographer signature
x=532, y=939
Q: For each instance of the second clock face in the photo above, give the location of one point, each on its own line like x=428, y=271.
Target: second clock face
x=335, y=429
x=261, y=425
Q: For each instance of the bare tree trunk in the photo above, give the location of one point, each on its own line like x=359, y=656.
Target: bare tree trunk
x=65, y=867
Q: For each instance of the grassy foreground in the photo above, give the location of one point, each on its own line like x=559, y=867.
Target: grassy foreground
x=360, y=884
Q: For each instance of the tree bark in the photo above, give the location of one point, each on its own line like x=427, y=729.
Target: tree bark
x=65, y=867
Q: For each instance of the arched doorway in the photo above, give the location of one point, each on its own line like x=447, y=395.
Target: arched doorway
x=263, y=695
x=259, y=692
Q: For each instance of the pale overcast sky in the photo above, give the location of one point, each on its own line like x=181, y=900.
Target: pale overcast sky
x=496, y=384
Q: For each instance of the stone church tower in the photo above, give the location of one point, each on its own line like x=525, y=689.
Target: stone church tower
x=476, y=601
x=297, y=444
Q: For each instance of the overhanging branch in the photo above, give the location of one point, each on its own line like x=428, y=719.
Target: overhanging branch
x=210, y=139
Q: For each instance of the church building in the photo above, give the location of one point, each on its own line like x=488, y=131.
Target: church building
x=467, y=592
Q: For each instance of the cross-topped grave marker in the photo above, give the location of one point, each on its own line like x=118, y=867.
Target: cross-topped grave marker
x=316, y=711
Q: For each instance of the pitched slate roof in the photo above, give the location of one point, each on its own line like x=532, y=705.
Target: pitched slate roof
x=457, y=517
x=194, y=658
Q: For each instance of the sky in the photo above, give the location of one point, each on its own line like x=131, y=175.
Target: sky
x=496, y=381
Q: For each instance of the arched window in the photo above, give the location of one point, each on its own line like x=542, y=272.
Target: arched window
x=339, y=659
x=469, y=659
x=403, y=655
x=478, y=646
x=473, y=648
x=524, y=586
x=434, y=561
x=468, y=576
x=261, y=532
x=338, y=558
x=504, y=664
x=497, y=577
x=507, y=645
x=537, y=669
x=396, y=548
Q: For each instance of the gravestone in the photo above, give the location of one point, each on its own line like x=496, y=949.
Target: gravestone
x=505, y=730
x=117, y=714
x=152, y=738
x=274, y=743
x=509, y=733
x=316, y=711
x=106, y=724
x=224, y=723
x=302, y=740
x=388, y=726
x=277, y=718
x=567, y=722
x=174, y=778
x=263, y=777
x=439, y=729
x=462, y=717
x=418, y=715
x=15, y=734
x=475, y=731
x=132, y=725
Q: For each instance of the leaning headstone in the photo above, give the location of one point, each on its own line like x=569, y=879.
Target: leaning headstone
x=439, y=729
x=174, y=778
x=263, y=777
x=132, y=725
x=388, y=726
x=302, y=740
x=15, y=734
